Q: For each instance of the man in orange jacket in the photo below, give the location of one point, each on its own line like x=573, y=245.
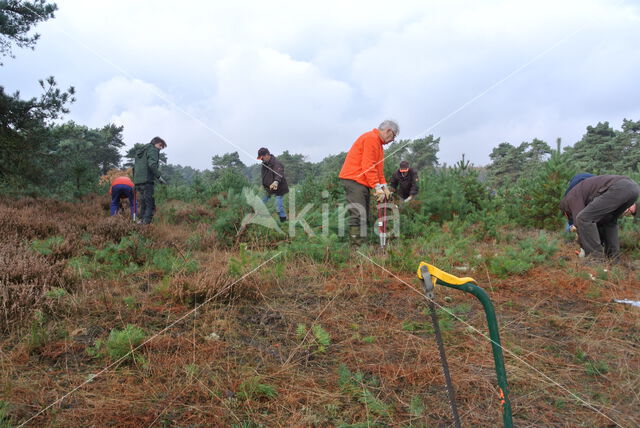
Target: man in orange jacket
x=363, y=169
x=122, y=187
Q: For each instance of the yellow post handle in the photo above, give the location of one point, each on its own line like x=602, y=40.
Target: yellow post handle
x=438, y=274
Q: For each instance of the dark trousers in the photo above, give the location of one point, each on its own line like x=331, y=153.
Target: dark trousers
x=403, y=194
x=147, y=203
x=121, y=191
x=597, y=223
x=358, y=197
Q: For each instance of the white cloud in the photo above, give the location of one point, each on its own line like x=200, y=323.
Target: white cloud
x=310, y=77
x=146, y=111
x=265, y=98
x=121, y=94
x=188, y=143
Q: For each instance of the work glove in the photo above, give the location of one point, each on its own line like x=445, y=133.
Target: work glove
x=274, y=186
x=162, y=180
x=379, y=194
x=572, y=228
x=408, y=199
x=387, y=192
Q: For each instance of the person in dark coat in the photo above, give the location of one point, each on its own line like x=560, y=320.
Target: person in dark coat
x=577, y=179
x=273, y=180
x=594, y=205
x=572, y=183
x=145, y=173
x=405, y=182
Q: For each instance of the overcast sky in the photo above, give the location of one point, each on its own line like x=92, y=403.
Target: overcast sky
x=213, y=77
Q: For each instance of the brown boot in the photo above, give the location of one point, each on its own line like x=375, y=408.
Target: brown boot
x=355, y=240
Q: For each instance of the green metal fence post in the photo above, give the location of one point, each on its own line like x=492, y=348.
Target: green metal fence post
x=496, y=346
x=426, y=272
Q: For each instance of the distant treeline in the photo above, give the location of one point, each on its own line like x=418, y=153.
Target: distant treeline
x=67, y=160
x=40, y=156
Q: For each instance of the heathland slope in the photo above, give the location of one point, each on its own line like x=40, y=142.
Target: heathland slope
x=261, y=333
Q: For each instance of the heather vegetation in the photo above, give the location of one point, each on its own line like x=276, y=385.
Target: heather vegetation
x=205, y=319
x=296, y=327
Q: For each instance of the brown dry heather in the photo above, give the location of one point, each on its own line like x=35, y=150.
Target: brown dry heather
x=295, y=343
x=25, y=277
x=111, y=175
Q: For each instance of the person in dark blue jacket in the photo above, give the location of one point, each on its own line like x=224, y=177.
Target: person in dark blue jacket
x=572, y=183
x=577, y=179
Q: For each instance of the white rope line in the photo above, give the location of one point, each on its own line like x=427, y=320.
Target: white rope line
x=169, y=405
x=482, y=93
x=592, y=407
x=119, y=360
x=155, y=91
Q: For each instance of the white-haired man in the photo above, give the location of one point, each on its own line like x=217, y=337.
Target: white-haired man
x=363, y=169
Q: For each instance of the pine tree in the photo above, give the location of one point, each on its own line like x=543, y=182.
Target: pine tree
x=598, y=151
x=537, y=198
x=629, y=144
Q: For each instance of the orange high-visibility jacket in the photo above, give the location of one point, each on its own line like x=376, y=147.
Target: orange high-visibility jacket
x=121, y=180
x=365, y=160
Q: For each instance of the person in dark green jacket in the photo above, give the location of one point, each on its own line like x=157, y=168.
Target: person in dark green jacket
x=145, y=173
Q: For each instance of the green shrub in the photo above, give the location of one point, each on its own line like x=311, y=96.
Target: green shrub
x=450, y=191
x=446, y=246
x=512, y=262
x=528, y=253
x=490, y=220
x=368, y=339
x=596, y=368
x=121, y=343
x=357, y=385
x=301, y=330
x=56, y=293
x=630, y=236
x=533, y=200
x=202, y=186
x=46, y=246
x=319, y=248
x=129, y=301
x=592, y=367
x=252, y=389
x=123, y=258
x=6, y=421
x=229, y=181
x=38, y=334
x=233, y=208
x=416, y=326
x=166, y=260
x=321, y=338
x=416, y=406
x=397, y=256
x=242, y=263
x=83, y=266
x=132, y=254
